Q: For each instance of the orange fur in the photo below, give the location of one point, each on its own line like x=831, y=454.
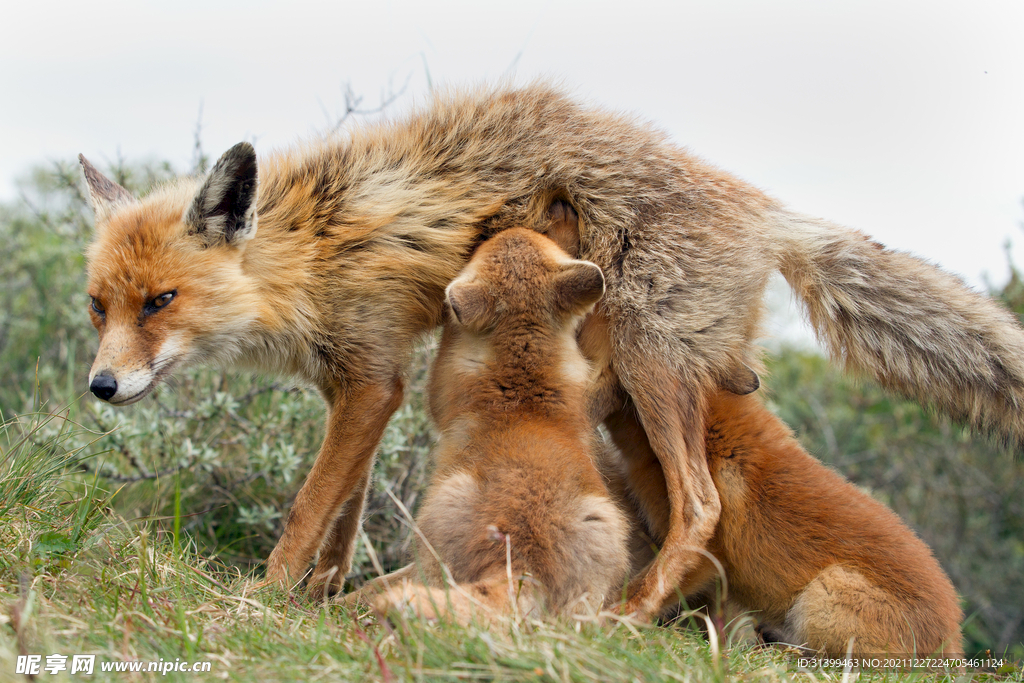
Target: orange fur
x=333, y=259
x=516, y=515
x=815, y=559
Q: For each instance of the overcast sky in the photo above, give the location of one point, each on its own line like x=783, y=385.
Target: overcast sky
x=902, y=119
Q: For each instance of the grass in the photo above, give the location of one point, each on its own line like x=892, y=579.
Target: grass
x=76, y=578
x=146, y=548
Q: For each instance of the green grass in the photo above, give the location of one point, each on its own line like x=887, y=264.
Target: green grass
x=77, y=578
x=135, y=534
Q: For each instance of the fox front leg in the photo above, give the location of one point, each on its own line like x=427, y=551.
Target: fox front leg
x=355, y=425
x=335, y=558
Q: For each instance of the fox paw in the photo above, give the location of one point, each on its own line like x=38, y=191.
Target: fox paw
x=412, y=600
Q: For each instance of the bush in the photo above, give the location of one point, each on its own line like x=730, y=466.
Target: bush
x=230, y=451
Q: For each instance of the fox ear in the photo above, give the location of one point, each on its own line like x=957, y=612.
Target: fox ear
x=578, y=286
x=105, y=195
x=224, y=209
x=470, y=303
x=741, y=381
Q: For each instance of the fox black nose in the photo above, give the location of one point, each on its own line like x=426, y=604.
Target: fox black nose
x=104, y=386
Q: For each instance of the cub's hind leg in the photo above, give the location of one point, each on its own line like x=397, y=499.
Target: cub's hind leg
x=487, y=601
x=370, y=590
x=840, y=604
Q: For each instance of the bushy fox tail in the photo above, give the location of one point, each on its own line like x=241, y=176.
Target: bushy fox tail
x=917, y=330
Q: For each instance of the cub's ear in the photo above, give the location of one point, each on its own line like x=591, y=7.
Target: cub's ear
x=105, y=195
x=472, y=305
x=224, y=209
x=741, y=381
x=578, y=286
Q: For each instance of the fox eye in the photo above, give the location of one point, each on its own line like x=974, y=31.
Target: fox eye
x=159, y=302
x=163, y=299
x=97, y=306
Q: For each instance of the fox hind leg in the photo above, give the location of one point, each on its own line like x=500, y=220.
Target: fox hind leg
x=840, y=604
x=488, y=600
x=672, y=417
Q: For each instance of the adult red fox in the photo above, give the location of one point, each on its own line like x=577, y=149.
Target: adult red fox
x=516, y=515
x=332, y=260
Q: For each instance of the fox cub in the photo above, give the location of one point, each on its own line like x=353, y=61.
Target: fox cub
x=517, y=516
x=328, y=260
x=815, y=559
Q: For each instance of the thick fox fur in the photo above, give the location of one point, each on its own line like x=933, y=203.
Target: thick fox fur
x=332, y=258
x=516, y=515
x=813, y=558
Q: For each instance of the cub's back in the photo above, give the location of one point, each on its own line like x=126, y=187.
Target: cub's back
x=783, y=508
x=516, y=478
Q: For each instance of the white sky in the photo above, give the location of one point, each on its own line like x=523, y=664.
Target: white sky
x=903, y=119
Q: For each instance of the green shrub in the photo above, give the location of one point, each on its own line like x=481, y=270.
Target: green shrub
x=214, y=459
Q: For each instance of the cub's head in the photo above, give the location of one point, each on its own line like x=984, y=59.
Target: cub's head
x=521, y=279
x=165, y=274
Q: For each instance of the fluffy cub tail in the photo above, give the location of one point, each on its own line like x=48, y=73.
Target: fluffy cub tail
x=917, y=330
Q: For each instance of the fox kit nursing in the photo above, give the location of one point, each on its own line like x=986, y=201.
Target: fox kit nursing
x=515, y=492
x=814, y=559
x=329, y=261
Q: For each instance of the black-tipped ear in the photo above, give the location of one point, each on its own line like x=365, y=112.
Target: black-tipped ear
x=578, y=286
x=224, y=209
x=105, y=195
x=741, y=381
x=472, y=305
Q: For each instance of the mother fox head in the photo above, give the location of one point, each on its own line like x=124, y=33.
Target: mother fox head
x=165, y=274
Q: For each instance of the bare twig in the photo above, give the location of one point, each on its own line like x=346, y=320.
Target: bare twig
x=353, y=104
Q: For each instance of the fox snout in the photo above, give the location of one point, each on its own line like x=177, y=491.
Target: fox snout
x=129, y=366
x=125, y=386
x=103, y=386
